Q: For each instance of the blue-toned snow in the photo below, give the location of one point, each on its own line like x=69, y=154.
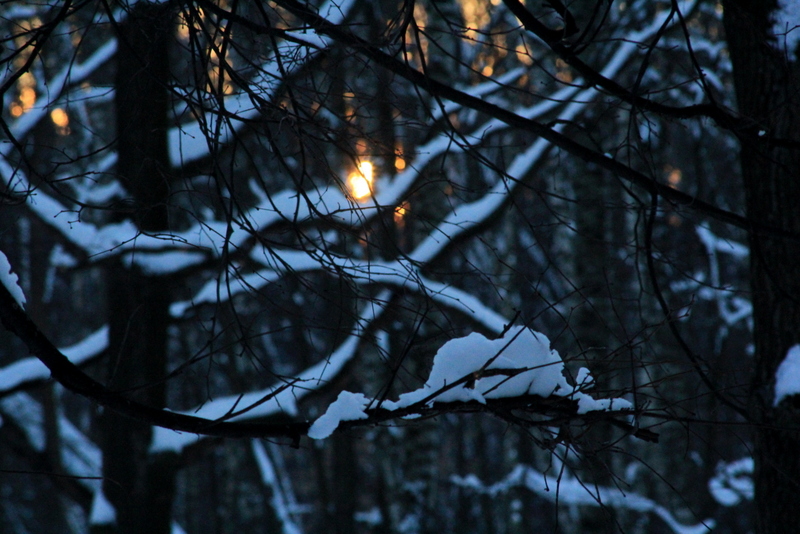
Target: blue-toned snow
x=520, y=363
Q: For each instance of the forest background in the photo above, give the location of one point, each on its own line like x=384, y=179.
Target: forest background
x=224, y=216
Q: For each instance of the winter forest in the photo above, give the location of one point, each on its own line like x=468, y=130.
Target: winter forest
x=410, y=266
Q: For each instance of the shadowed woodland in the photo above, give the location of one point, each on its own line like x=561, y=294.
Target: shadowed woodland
x=282, y=266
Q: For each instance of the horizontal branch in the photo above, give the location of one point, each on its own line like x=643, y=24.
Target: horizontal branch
x=555, y=410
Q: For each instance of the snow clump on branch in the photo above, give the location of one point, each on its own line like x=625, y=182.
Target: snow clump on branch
x=10, y=280
x=474, y=368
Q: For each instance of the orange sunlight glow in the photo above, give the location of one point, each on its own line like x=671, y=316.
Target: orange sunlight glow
x=59, y=118
x=360, y=182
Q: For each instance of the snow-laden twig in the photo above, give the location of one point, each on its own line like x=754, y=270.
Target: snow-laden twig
x=477, y=369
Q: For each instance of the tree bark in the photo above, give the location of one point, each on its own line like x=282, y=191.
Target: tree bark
x=766, y=81
x=139, y=485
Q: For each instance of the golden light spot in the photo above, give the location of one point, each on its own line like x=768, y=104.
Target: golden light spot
x=674, y=177
x=16, y=110
x=59, y=117
x=183, y=30
x=476, y=16
x=349, y=107
x=400, y=213
x=563, y=74
x=487, y=70
x=420, y=14
x=399, y=161
x=523, y=55
x=27, y=97
x=360, y=182
x=61, y=121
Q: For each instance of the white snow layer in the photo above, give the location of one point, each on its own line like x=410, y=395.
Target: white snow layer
x=31, y=368
x=307, y=381
x=787, y=377
x=733, y=482
x=270, y=479
x=566, y=489
x=528, y=364
x=347, y=407
x=103, y=512
x=11, y=281
x=474, y=368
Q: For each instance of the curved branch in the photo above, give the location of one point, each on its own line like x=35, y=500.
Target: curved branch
x=71, y=377
x=555, y=410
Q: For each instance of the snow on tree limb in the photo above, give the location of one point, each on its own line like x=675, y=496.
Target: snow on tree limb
x=10, y=281
x=284, y=401
x=476, y=369
x=568, y=490
x=31, y=369
x=221, y=420
x=787, y=376
x=269, y=477
x=733, y=482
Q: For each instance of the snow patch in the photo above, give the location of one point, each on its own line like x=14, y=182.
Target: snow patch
x=566, y=489
x=588, y=404
x=31, y=368
x=474, y=368
x=11, y=281
x=269, y=477
x=733, y=482
x=371, y=517
x=787, y=377
x=103, y=512
x=347, y=407
x=521, y=363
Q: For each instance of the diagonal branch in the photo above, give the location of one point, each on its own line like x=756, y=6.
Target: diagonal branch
x=441, y=90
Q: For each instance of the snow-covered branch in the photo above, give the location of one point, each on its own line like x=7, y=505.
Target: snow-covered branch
x=478, y=374
x=566, y=489
x=30, y=370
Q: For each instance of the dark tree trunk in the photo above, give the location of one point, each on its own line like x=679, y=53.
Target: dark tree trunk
x=139, y=485
x=767, y=84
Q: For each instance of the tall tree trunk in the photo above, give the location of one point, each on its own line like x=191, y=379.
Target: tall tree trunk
x=766, y=81
x=139, y=485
